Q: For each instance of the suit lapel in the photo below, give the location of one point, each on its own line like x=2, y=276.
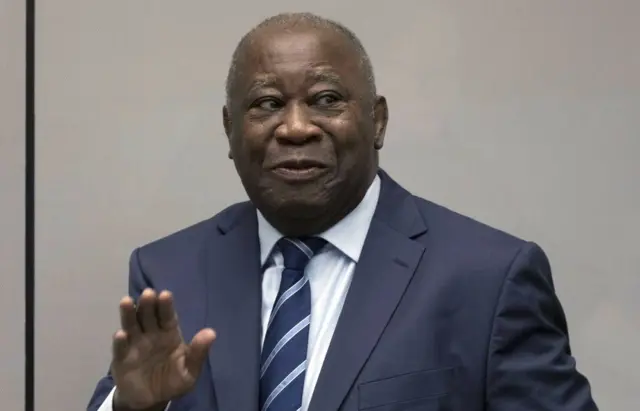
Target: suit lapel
x=233, y=310
x=387, y=264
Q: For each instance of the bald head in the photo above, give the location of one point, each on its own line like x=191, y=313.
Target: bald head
x=288, y=22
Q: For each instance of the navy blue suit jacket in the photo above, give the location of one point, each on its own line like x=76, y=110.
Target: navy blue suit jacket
x=444, y=313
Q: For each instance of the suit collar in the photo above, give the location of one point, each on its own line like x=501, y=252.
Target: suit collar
x=388, y=262
x=233, y=287
x=397, y=208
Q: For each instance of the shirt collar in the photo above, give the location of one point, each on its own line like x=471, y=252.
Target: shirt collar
x=347, y=235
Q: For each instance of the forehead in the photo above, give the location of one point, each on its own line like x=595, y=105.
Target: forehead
x=289, y=54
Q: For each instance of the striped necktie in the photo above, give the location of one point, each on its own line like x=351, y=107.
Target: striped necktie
x=284, y=352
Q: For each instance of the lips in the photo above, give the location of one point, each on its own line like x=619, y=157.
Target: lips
x=299, y=164
x=299, y=170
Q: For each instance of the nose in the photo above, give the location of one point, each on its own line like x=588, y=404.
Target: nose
x=296, y=126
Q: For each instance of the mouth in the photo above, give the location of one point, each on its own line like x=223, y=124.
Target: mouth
x=299, y=170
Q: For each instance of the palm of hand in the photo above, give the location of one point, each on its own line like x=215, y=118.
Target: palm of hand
x=151, y=362
x=154, y=369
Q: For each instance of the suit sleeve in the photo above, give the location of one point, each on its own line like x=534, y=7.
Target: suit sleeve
x=530, y=366
x=137, y=283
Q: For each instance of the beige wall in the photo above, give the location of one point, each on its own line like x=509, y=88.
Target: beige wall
x=12, y=83
x=524, y=114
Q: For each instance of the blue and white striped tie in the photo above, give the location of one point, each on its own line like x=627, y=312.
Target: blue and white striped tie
x=284, y=352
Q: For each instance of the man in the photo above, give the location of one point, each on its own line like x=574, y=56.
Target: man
x=333, y=288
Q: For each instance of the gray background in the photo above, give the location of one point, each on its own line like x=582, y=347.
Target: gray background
x=524, y=114
x=12, y=161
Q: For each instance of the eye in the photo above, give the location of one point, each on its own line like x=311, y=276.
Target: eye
x=327, y=99
x=268, y=104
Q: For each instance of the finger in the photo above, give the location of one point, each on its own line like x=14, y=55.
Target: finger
x=147, y=318
x=120, y=345
x=128, y=319
x=167, y=317
x=198, y=350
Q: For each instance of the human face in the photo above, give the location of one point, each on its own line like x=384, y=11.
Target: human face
x=303, y=128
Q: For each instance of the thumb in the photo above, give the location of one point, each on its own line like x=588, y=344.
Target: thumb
x=198, y=350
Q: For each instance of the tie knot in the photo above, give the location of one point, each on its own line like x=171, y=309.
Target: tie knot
x=297, y=252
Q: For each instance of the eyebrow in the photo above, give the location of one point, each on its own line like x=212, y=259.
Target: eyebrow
x=318, y=76
x=263, y=81
x=324, y=76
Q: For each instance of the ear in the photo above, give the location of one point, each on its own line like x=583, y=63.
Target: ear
x=226, y=121
x=380, y=119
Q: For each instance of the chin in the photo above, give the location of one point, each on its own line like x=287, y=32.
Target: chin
x=300, y=208
x=295, y=204
x=286, y=201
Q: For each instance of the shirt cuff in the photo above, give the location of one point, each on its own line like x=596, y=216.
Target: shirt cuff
x=107, y=405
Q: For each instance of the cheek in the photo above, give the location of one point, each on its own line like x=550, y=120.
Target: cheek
x=355, y=151
x=351, y=138
x=249, y=142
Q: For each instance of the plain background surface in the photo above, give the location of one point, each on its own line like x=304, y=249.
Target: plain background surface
x=523, y=114
x=12, y=163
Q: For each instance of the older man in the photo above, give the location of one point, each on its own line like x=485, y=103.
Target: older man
x=333, y=288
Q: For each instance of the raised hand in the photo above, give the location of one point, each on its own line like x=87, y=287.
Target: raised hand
x=151, y=362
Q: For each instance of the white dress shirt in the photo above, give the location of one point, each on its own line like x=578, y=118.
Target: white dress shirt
x=330, y=272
